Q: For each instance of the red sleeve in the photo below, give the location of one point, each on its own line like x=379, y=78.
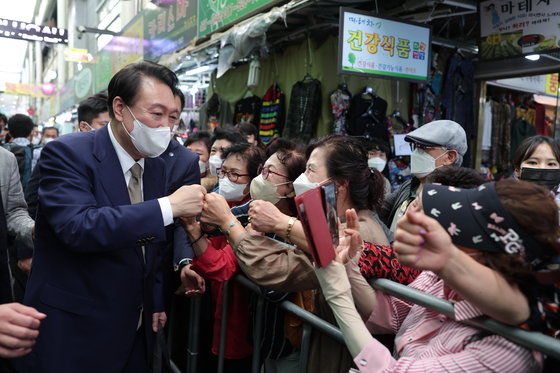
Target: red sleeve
x=380, y=261
x=218, y=262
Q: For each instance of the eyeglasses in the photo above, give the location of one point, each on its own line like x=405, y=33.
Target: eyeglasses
x=414, y=146
x=232, y=176
x=265, y=171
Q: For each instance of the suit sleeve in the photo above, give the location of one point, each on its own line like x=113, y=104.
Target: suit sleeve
x=18, y=220
x=69, y=199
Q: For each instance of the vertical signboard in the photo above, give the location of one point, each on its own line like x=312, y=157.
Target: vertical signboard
x=515, y=27
x=169, y=28
x=215, y=14
x=377, y=46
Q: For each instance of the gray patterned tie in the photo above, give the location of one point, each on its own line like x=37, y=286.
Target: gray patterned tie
x=134, y=189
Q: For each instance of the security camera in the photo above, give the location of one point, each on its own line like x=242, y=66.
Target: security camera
x=81, y=31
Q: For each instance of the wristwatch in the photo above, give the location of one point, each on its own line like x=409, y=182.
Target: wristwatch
x=182, y=263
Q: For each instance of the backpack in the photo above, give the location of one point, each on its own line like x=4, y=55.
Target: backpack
x=24, y=156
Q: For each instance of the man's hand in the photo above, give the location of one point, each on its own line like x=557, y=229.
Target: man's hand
x=187, y=200
x=191, y=282
x=158, y=318
x=25, y=265
x=19, y=326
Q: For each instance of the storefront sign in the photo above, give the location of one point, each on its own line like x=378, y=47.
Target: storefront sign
x=32, y=32
x=542, y=84
x=169, y=28
x=77, y=55
x=33, y=90
x=516, y=27
x=370, y=46
x=215, y=14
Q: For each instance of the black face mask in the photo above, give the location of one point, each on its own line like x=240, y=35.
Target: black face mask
x=548, y=178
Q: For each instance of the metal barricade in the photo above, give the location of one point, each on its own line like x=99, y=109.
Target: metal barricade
x=531, y=340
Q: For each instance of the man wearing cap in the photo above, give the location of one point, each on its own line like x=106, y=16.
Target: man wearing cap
x=435, y=144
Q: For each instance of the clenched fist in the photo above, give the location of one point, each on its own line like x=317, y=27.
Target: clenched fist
x=187, y=200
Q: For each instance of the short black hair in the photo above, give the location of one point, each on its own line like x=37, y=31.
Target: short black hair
x=201, y=136
x=246, y=129
x=178, y=92
x=229, y=134
x=456, y=176
x=50, y=128
x=91, y=107
x=380, y=145
x=126, y=82
x=4, y=118
x=254, y=156
x=290, y=153
x=20, y=125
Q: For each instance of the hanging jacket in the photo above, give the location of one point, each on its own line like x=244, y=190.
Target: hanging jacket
x=272, y=115
x=367, y=117
x=304, y=111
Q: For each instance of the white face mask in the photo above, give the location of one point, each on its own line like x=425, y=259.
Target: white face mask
x=231, y=191
x=302, y=184
x=377, y=163
x=35, y=140
x=215, y=163
x=202, y=166
x=422, y=164
x=46, y=140
x=265, y=190
x=148, y=141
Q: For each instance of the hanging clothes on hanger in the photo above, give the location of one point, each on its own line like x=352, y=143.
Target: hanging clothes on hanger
x=248, y=109
x=367, y=116
x=214, y=113
x=304, y=109
x=272, y=115
x=458, y=96
x=340, y=105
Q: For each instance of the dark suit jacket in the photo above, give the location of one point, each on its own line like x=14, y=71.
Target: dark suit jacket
x=89, y=274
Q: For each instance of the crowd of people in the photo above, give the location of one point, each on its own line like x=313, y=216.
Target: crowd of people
x=100, y=228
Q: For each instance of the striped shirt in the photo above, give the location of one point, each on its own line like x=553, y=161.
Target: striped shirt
x=427, y=341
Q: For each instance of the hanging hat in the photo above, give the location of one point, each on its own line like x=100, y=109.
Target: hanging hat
x=475, y=218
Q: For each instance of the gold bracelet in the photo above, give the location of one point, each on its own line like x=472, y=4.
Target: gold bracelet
x=289, y=228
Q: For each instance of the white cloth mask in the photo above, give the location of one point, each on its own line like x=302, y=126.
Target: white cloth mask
x=147, y=140
x=215, y=163
x=202, y=166
x=265, y=190
x=231, y=191
x=422, y=164
x=302, y=184
x=377, y=163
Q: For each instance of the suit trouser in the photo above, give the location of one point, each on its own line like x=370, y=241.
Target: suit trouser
x=138, y=360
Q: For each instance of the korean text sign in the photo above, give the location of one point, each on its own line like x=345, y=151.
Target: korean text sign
x=371, y=45
x=516, y=27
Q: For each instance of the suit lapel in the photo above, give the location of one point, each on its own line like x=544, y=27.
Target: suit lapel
x=109, y=168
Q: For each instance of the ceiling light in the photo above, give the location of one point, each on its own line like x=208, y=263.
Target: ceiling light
x=533, y=57
x=200, y=69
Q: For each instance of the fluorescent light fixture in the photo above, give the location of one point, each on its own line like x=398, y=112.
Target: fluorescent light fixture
x=200, y=69
x=533, y=57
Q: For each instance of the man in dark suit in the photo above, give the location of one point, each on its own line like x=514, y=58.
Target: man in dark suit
x=100, y=232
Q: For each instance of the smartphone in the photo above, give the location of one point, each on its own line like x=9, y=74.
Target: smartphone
x=328, y=191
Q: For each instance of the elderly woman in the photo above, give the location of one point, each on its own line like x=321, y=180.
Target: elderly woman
x=273, y=184
x=488, y=223
x=215, y=260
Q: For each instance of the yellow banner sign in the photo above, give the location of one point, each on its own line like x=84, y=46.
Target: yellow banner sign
x=77, y=55
x=552, y=84
x=33, y=90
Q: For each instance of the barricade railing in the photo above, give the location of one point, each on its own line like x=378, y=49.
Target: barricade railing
x=531, y=340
